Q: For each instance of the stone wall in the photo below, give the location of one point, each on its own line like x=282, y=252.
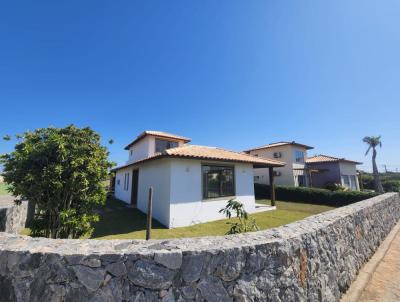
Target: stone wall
x=310, y=260
x=13, y=217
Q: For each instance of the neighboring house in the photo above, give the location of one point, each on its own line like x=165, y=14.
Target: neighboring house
x=191, y=183
x=329, y=169
x=293, y=154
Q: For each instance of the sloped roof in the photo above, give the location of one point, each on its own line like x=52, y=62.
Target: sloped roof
x=326, y=159
x=210, y=153
x=160, y=134
x=278, y=144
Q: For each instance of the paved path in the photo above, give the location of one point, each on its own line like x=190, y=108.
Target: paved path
x=379, y=279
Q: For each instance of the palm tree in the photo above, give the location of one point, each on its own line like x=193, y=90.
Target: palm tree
x=373, y=142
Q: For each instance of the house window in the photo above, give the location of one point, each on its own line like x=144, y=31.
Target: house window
x=126, y=181
x=346, y=181
x=162, y=145
x=118, y=182
x=218, y=181
x=130, y=153
x=353, y=183
x=349, y=181
x=256, y=178
x=299, y=156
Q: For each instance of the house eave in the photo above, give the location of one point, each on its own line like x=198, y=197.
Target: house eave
x=255, y=164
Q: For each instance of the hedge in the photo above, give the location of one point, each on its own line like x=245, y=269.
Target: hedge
x=312, y=195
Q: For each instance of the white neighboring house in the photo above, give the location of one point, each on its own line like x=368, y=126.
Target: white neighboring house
x=293, y=154
x=191, y=183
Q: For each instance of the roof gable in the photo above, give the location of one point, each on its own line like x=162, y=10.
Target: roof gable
x=279, y=144
x=159, y=134
x=328, y=159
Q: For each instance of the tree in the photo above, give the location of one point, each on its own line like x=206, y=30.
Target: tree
x=244, y=223
x=373, y=142
x=60, y=170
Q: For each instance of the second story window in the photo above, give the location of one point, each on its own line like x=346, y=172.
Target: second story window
x=299, y=156
x=162, y=145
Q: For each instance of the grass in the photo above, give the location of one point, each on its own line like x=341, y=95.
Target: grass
x=3, y=189
x=120, y=222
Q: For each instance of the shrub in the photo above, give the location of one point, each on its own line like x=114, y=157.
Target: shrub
x=391, y=185
x=312, y=195
x=244, y=224
x=61, y=171
x=331, y=186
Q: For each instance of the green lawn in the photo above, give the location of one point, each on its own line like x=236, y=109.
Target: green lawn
x=120, y=222
x=3, y=189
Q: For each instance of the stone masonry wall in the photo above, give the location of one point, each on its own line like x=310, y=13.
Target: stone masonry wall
x=13, y=217
x=314, y=259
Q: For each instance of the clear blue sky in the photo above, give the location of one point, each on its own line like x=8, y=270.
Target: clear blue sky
x=234, y=74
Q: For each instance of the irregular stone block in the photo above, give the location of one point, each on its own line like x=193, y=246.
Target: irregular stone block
x=150, y=275
x=172, y=260
x=92, y=279
x=212, y=290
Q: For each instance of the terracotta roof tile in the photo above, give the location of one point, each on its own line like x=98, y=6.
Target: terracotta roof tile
x=219, y=154
x=278, y=144
x=210, y=153
x=326, y=159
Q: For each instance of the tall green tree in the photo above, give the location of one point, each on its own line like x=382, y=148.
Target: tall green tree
x=373, y=142
x=60, y=170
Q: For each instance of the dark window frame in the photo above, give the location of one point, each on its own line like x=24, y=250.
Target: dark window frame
x=169, y=144
x=203, y=187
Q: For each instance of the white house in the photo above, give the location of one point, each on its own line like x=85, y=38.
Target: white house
x=191, y=183
x=293, y=154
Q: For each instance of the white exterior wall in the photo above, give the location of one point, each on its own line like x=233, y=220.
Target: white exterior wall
x=120, y=193
x=287, y=177
x=187, y=204
x=146, y=147
x=349, y=169
x=178, y=193
x=142, y=149
x=156, y=174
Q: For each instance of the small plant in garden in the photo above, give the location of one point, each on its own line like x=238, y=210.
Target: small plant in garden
x=244, y=223
x=61, y=171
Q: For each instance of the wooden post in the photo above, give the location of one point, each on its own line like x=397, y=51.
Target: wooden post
x=272, y=185
x=310, y=176
x=149, y=214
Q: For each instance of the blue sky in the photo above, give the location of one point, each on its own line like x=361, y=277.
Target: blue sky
x=233, y=74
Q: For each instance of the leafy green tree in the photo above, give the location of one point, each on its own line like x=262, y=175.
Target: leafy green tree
x=60, y=170
x=373, y=142
x=244, y=223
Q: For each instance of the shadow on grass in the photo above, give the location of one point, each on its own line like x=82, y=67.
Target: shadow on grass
x=116, y=218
